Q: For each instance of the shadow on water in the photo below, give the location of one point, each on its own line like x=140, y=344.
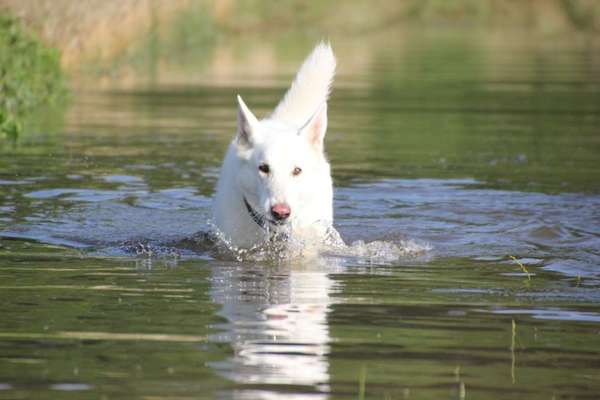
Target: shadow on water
x=481, y=149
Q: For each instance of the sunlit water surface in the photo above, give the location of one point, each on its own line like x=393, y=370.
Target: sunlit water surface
x=467, y=183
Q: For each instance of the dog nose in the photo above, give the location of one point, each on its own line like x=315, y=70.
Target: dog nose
x=280, y=211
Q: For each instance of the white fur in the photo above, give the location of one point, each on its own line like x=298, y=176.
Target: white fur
x=292, y=136
x=310, y=88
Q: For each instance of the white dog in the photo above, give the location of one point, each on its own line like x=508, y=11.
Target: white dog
x=275, y=180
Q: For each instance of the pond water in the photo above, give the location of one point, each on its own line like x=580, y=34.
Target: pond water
x=467, y=183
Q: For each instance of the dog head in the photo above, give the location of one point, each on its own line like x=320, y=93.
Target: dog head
x=281, y=166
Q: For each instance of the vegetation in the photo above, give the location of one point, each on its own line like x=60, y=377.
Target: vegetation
x=88, y=42
x=29, y=75
x=360, y=17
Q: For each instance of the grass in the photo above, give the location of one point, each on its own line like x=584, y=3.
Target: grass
x=513, y=361
x=362, y=382
x=30, y=75
x=523, y=268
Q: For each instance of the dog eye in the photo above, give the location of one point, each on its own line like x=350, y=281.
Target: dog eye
x=297, y=171
x=264, y=168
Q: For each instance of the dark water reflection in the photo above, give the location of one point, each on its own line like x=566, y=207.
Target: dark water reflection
x=479, y=149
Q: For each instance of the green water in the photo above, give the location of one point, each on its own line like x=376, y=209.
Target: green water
x=475, y=148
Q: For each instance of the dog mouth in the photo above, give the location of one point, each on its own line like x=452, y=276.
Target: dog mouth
x=262, y=220
x=277, y=222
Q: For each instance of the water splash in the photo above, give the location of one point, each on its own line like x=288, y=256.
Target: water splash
x=309, y=248
x=385, y=252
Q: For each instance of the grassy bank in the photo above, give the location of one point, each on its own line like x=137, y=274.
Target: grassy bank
x=547, y=17
x=93, y=31
x=111, y=35
x=97, y=31
x=30, y=75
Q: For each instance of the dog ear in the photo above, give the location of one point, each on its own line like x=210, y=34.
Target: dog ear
x=246, y=122
x=315, y=128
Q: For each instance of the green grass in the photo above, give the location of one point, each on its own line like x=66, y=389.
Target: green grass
x=522, y=267
x=30, y=75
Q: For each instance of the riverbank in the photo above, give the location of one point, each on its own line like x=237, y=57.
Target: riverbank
x=91, y=30
x=108, y=41
x=30, y=75
x=97, y=31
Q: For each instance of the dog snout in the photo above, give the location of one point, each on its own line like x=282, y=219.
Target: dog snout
x=280, y=211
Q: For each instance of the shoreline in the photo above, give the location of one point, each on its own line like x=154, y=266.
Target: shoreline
x=99, y=31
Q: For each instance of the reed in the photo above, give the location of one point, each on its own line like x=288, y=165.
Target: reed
x=523, y=268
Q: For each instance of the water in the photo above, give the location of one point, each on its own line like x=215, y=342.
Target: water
x=450, y=155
